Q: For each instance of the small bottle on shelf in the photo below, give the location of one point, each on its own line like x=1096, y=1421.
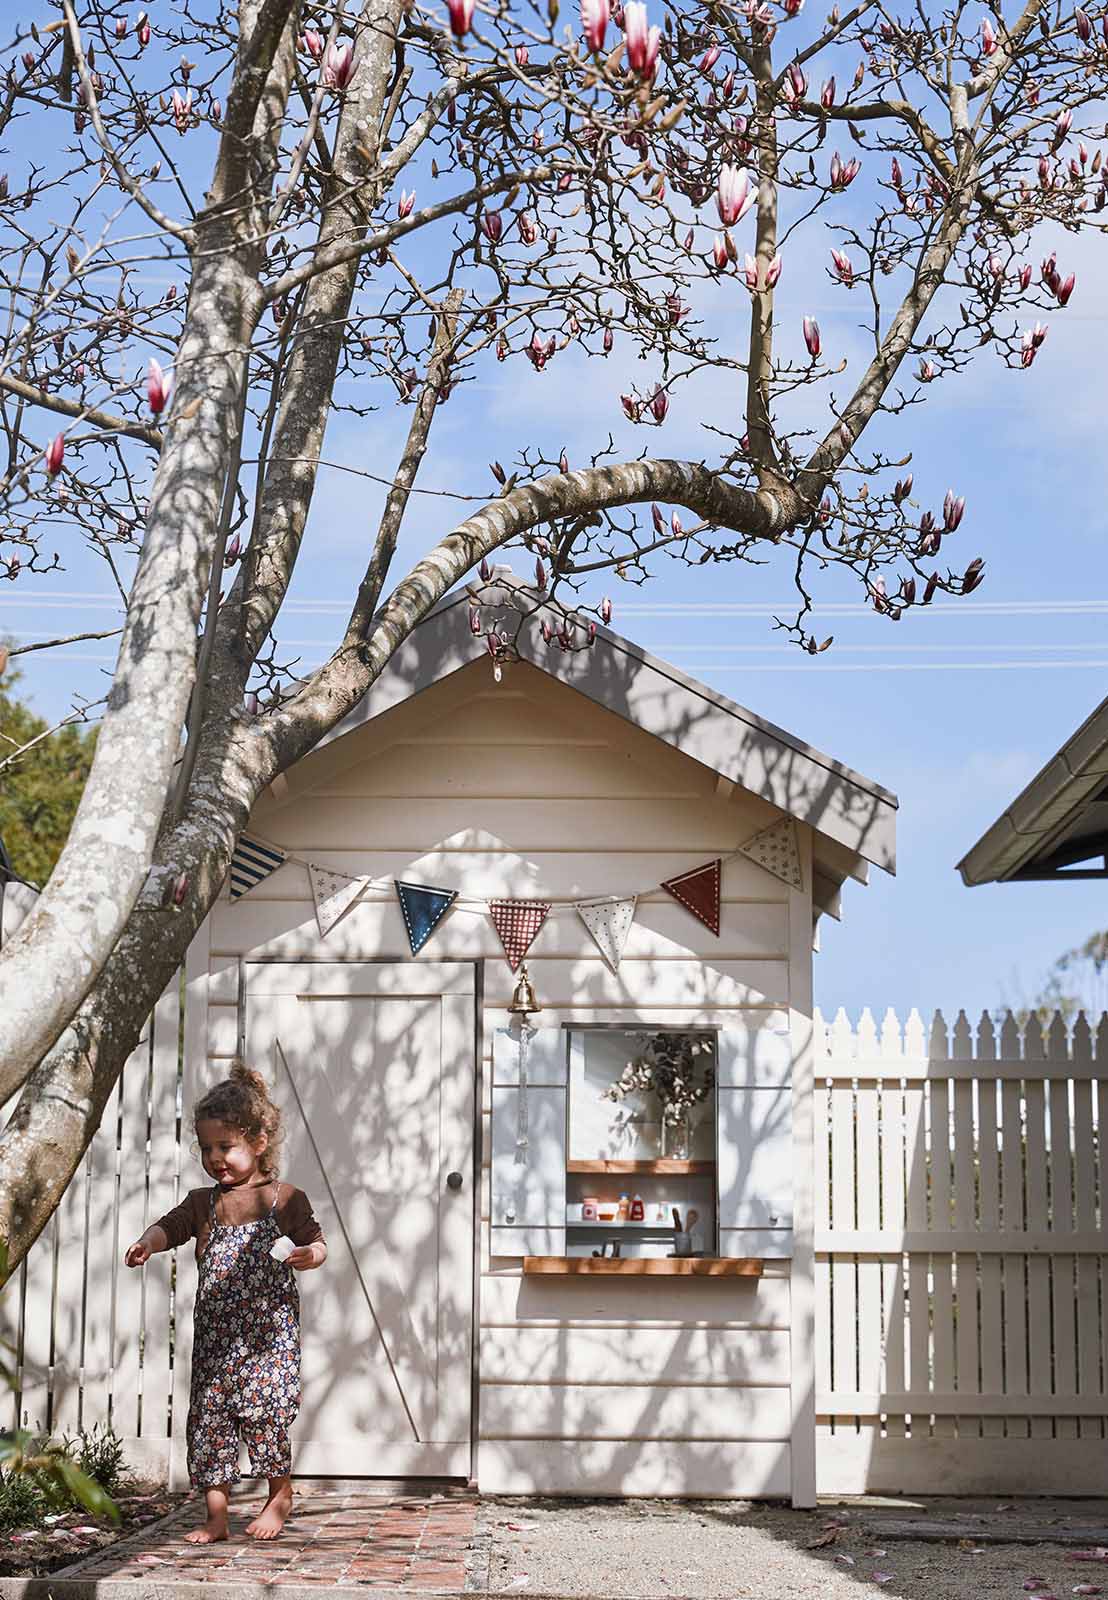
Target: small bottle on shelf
x=624, y=1208
x=638, y=1210
x=661, y=1215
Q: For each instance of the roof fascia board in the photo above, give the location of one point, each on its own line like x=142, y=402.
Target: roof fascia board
x=662, y=700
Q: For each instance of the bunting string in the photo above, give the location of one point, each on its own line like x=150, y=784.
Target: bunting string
x=519, y=920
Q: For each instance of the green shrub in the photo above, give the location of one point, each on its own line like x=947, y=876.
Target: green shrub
x=21, y=1502
x=98, y=1451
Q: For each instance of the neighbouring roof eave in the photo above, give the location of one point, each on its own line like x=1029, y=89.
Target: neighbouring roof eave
x=1050, y=803
x=655, y=695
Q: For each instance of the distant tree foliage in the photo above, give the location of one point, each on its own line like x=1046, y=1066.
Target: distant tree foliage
x=39, y=789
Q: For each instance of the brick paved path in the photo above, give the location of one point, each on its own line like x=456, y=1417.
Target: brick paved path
x=331, y=1538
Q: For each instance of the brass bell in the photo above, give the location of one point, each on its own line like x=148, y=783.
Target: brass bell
x=523, y=1001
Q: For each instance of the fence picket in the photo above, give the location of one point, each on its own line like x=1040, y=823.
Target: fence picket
x=964, y=1207
x=893, y=1286
x=1063, y=1286
x=1085, y=1216
x=942, y=1275
x=990, y=1271
x=868, y=1212
x=844, y=1189
x=134, y=1091
x=1038, y=1216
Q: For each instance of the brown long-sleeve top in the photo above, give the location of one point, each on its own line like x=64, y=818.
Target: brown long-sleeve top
x=192, y=1218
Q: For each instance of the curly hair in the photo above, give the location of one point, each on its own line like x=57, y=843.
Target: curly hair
x=242, y=1102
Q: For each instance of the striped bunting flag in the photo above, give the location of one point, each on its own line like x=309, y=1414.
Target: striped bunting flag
x=251, y=863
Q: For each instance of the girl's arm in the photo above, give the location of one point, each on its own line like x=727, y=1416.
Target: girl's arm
x=152, y=1241
x=307, y=1256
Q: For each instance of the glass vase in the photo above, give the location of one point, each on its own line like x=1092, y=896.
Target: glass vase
x=675, y=1137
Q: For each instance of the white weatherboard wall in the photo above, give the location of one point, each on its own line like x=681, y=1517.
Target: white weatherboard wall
x=593, y=1385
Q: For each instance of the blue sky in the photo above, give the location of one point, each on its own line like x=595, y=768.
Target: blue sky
x=953, y=709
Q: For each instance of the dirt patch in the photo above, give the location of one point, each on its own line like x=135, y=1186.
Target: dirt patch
x=722, y=1550
x=60, y=1539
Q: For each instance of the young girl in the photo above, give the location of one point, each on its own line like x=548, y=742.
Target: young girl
x=246, y=1343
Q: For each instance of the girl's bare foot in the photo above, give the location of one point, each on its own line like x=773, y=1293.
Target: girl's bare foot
x=212, y=1531
x=273, y=1517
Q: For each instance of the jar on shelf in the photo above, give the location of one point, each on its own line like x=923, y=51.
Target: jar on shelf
x=675, y=1136
x=590, y=1208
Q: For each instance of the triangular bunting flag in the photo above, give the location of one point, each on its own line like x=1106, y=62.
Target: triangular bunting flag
x=333, y=893
x=517, y=922
x=609, y=922
x=698, y=892
x=422, y=908
x=251, y=863
x=775, y=849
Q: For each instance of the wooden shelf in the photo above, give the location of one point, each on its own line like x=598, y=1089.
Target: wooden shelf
x=644, y=1266
x=690, y=1169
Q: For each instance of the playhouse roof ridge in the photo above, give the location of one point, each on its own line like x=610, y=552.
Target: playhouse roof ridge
x=619, y=675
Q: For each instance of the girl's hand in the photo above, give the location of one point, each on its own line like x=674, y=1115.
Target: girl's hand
x=306, y=1256
x=139, y=1254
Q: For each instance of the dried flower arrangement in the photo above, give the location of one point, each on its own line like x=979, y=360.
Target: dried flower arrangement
x=677, y=1067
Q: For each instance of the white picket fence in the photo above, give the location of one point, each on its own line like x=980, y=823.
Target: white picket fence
x=962, y=1332
x=961, y=1267
x=87, y=1338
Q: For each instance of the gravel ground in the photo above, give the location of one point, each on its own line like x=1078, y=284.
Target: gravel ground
x=656, y=1548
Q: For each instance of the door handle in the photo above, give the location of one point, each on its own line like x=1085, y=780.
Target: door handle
x=453, y=1180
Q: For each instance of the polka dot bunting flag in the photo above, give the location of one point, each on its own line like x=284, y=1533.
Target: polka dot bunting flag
x=609, y=922
x=517, y=922
x=775, y=849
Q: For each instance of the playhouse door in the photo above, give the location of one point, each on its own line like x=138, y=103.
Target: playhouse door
x=374, y=1068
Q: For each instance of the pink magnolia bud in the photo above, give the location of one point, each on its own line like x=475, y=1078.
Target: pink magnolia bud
x=1046, y=176
x=55, y=454
x=843, y=268
x=232, y=552
x=1038, y=334
x=709, y=58
x=659, y=405
x=563, y=462
x=643, y=43
x=608, y=341
x=995, y=266
x=750, y=272
x=182, y=110
x=727, y=88
x=528, y=232
x=492, y=225
x=461, y=16
x=540, y=574
x=793, y=8
x=594, y=19
x=629, y=404
x=796, y=79
x=677, y=525
x=1083, y=25
x=902, y=488
x=1062, y=125
x=405, y=204
x=843, y=173
x=1065, y=289
x=605, y=611
x=523, y=55
x=498, y=472
x=973, y=575
x=953, y=507
x=158, y=388
x=811, y=337
x=658, y=519
x=773, y=273
x=859, y=74
x=1025, y=275
x=719, y=253
x=340, y=66
x=484, y=569
x=312, y=43
x=734, y=195
x=926, y=372
x=217, y=110
x=144, y=33
x=897, y=175
x=827, y=94
x=988, y=38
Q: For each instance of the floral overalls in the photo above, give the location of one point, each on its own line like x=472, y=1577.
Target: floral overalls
x=246, y=1354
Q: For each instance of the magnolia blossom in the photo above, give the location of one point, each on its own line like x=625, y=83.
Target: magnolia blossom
x=313, y=43
x=528, y=232
x=676, y=525
x=538, y=352
x=793, y=8
x=492, y=225
x=750, y=270
x=843, y=268
x=1062, y=125
x=55, y=454
x=630, y=407
x=927, y=371
x=461, y=16
x=996, y=266
x=811, y=337
x=659, y=405
x=1029, y=344
x=843, y=173
x=734, y=195
x=953, y=507
x=523, y=55
x=1025, y=275
x=157, y=388
x=606, y=611
x=988, y=38
x=827, y=94
x=709, y=58
x=340, y=66
x=795, y=84
x=182, y=109
x=643, y=43
x=594, y=20
x=406, y=202
x=540, y=573
x=1065, y=289
x=719, y=252
x=608, y=341
x=658, y=520
x=1083, y=25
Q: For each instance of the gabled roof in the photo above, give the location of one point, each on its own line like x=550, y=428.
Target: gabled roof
x=854, y=815
x=1059, y=821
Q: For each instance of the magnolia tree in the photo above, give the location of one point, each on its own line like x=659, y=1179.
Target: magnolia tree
x=224, y=212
